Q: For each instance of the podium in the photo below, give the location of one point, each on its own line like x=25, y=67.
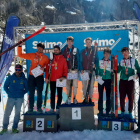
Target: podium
x=40, y=122
x=76, y=117
x=116, y=124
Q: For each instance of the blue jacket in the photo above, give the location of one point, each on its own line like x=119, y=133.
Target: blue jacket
x=63, y=51
x=15, y=86
x=85, y=62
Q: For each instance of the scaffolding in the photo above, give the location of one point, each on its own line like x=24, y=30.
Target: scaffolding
x=132, y=26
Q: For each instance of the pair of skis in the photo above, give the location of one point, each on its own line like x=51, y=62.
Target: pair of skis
x=114, y=67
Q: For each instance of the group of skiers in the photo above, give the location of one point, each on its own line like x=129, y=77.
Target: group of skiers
x=69, y=60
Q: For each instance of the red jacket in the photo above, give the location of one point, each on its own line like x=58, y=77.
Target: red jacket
x=59, y=68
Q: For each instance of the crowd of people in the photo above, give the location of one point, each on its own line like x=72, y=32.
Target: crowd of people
x=17, y=85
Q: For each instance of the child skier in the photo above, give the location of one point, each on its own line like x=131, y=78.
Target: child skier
x=103, y=71
x=127, y=67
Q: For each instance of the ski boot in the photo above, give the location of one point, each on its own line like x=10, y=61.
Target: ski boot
x=51, y=111
x=14, y=130
x=90, y=101
x=137, y=131
x=3, y=131
x=121, y=115
x=68, y=102
x=107, y=114
x=100, y=114
x=75, y=101
x=57, y=111
x=130, y=116
x=30, y=111
x=39, y=111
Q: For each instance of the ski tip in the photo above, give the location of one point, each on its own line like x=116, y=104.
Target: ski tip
x=43, y=27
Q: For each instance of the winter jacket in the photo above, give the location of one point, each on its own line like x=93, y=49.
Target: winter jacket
x=100, y=69
x=36, y=59
x=65, y=52
x=133, y=64
x=15, y=86
x=86, y=56
x=60, y=70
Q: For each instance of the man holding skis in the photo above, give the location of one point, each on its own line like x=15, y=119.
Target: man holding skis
x=37, y=59
x=59, y=71
x=15, y=86
x=86, y=56
x=127, y=67
x=68, y=52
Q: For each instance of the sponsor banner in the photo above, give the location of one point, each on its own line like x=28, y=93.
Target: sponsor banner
x=115, y=40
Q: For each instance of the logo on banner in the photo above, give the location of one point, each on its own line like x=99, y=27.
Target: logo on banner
x=105, y=124
x=50, y=124
x=47, y=44
x=29, y=124
x=8, y=40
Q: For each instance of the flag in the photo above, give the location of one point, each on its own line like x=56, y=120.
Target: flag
x=8, y=41
x=137, y=9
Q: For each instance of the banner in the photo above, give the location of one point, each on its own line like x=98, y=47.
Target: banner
x=114, y=39
x=137, y=9
x=8, y=41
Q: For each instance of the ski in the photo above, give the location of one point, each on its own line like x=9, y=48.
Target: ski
x=92, y=71
x=47, y=87
x=29, y=37
x=72, y=68
x=112, y=86
x=116, y=92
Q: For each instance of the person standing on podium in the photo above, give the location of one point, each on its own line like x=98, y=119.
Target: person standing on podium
x=86, y=56
x=71, y=54
x=127, y=67
x=59, y=71
x=103, y=71
x=40, y=60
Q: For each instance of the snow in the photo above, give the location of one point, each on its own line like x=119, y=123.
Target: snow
x=69, y=135
x=90, y=0
x=50, y=7
x=42, y=23
x=72, y=13
x=27, y=15
x=76, y=9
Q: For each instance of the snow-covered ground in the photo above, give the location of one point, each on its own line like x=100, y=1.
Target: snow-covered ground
x=73, y=135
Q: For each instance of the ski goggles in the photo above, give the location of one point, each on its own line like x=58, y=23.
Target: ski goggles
x=18, y=69
x=124, y=49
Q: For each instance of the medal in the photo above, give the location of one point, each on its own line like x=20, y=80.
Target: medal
x=55, y=63
x=105, y=66
x=126, y=67
x=68, y=56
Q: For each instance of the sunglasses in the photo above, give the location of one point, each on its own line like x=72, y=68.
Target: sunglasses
x=18, y=69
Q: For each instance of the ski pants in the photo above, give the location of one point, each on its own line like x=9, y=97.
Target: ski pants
x=11, y=103
x=107, y=85
x=126, y=88
x=75, y=85
x=59, y=95
x=85, y=83
x=33, y=83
